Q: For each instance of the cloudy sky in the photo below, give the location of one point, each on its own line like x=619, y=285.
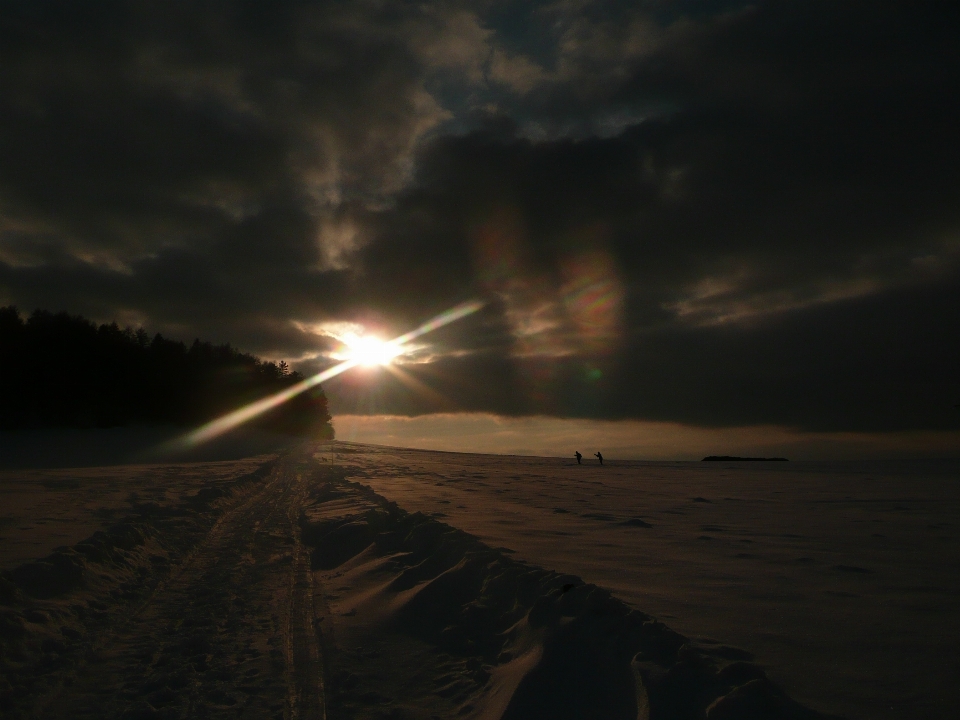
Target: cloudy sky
x=695, y=226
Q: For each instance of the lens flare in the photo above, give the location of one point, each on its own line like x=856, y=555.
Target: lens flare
x=371, y=352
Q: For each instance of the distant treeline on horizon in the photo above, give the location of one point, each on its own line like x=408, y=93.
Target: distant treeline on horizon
x=62, y=370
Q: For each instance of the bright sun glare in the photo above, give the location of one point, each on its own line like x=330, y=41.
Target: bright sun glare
x=368, y=350
x=359, y=351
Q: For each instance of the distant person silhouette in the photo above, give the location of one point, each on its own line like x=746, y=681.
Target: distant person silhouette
x=600, y=457
x=577, y=453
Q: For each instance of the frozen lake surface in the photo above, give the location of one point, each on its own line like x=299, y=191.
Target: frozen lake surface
x=841, y=579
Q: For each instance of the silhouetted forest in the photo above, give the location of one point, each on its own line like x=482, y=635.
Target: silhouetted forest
x=61, y=370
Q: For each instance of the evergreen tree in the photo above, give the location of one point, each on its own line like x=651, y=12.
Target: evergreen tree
x=60, y=370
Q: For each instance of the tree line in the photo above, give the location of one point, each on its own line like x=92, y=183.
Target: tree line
x=62, y=370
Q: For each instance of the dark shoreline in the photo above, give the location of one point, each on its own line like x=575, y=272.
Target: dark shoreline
x=711, y=458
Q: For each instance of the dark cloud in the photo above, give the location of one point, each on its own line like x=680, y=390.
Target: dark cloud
x=707, y=213
x=882, y=363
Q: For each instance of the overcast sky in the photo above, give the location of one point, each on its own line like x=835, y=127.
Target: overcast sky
x=696, y=215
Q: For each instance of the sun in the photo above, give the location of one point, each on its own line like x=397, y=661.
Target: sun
x=370, y=351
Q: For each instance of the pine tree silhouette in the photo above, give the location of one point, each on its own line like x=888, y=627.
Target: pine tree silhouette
x=61, y=370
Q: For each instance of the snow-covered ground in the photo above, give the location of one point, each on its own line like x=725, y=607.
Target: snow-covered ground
x=840, y=578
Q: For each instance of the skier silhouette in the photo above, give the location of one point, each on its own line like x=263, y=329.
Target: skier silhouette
x=600, y=457
x=577, y=453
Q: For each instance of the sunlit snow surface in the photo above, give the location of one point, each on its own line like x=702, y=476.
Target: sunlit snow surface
x=840, y=577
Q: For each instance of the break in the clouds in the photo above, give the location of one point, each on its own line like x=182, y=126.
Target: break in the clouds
x=701, y=213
